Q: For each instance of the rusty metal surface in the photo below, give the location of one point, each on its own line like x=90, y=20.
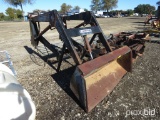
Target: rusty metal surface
x=94, y=80
x=138, y=47
x=87, y=67
x=134, y=40
x=101, y=83
x=44, y=31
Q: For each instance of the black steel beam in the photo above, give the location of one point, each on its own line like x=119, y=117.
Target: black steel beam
x=45, y=17
x=74, y=32
x=65, y=38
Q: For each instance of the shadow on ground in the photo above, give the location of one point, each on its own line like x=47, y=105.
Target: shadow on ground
x=140, y=25
x=133, y=18
x=36, y=57
x=139, y=22
x=62, y=78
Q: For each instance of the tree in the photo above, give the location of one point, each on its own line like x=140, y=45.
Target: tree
x=69, y=7
x=85, y=9
x=19, y=2
x=158, y=3
x=76, y=8
x=95, y=5
x=14, y=13
x=65, y=8
x=109, y=4
x=19, y=13
x=11, y=13
x=38, y=11
x=130, y=12
x=16, y=3
x=2, y=16
x=144, y=9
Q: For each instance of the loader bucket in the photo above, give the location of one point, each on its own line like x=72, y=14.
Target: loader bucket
x=92, y=81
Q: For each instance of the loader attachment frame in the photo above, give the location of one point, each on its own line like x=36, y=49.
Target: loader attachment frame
x=58, y=22
x=100, y=61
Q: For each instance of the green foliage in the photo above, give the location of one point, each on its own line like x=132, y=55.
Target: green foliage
x=103, y=4
x=109, y=4
x=144, y=9
x=16, y=3
x=85, y=9
x=95, y=5
x=2, y=16
x=14, y=13
x=76, y=8
x=65, y=8
x=36, y=10
x=124, y=12
x=19, y=14
x=69, y=7
x=6, y=18
x=11, y=13
x=130, y=12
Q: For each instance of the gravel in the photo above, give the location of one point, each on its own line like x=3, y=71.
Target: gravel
x=137, y=91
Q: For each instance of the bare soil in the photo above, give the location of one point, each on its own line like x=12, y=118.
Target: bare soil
x=137, y=91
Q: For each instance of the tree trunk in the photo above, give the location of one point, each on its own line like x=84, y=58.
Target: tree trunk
x=21, y=6
x=22, y=10
x=107, y=11
x=158, y=12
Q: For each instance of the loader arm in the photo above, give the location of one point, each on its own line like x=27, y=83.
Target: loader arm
x=100, y=62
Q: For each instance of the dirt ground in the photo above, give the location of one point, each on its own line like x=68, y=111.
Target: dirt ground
x=137, y=92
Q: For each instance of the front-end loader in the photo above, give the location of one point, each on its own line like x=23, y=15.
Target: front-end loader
x=101, y=62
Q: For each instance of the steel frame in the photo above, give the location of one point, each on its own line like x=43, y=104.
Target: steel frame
x=60, y=24
x=133, y=40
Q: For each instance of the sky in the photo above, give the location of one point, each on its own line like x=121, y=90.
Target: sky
x=55, y=4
